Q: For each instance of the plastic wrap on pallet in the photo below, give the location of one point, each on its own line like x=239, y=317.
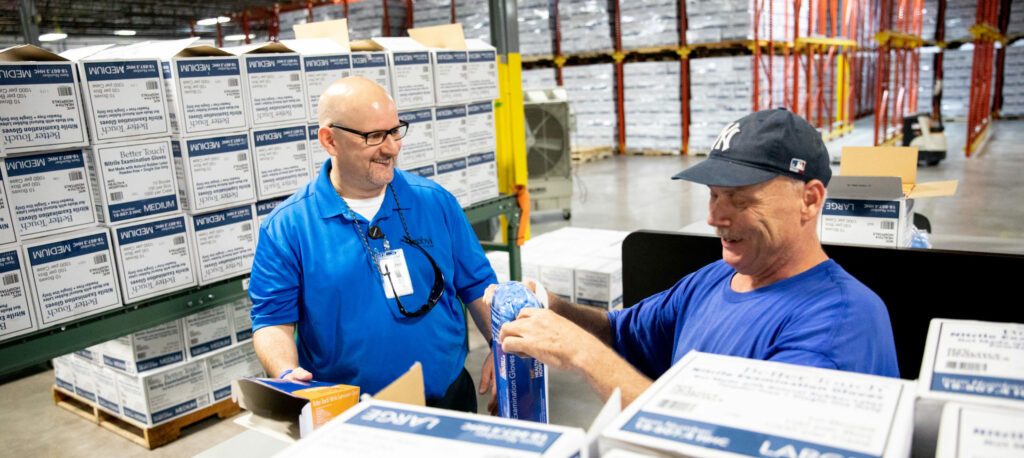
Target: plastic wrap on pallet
x=653, y=114
x=956, y=82
x=1016, y=24
x=364, y=19
x=539, y=78
x=653, y=23
x=591, y=90
x=929, y=19
x=926, y=79
x=724, y=20
x=586, y=26
x=534, y=28
x=960, y=16
x=1013, y=80
x=290, y=19
x=473, y=15
x=427, y=13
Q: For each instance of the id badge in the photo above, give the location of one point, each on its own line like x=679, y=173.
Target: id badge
x=392, y=262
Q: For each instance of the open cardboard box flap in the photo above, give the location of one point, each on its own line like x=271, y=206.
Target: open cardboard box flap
x=336, y=30
x=29, y=53
x=861, y=167
x=448, y=36
x=269, y=47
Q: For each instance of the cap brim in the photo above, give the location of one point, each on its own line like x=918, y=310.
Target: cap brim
x=719, y=172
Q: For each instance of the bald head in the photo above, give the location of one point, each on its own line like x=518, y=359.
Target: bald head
x=350, y=99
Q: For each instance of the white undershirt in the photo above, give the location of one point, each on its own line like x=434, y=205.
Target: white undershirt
x=366, y=208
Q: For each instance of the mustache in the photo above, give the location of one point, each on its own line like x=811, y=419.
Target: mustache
x=727, y=234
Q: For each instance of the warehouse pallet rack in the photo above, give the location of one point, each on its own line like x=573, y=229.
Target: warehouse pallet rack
x=41, y=346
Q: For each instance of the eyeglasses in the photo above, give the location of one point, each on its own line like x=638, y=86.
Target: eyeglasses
x=435, y=291
x=377, y=137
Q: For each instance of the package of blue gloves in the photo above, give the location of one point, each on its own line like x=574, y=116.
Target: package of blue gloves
x=522, y=383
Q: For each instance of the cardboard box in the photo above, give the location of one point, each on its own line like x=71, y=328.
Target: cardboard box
x=428, y=171
x=85, y=382
x=207, y=331
x=73, y=276
x=17, y=311
x=451, y=175
x=213, y=172
x=598, y=283
x=500, y=265
x=107, y=396
x=202, y=84
x=225, y=243
x=418, y=143
x=480, y=135
x=275, y=93
x=715, y=405
x=451, y=81
x=132, y=180
x=63, y=376
x=969, y=431
x=412, y=82
x=264, y=207
x=7, y=234
x=482, y=72
x=482, y=176
x=42, y=109
x=164, y=394
x=373, y=66
x=229, y=364
x=124, y=98
x=93, y=354
x=145, y=350
x=48, y=193
x=154, y=258
x=870, y=201
x=450, y=129
x=310, y=404
x=317, y=154
x=557, y=274
x=408, y=430
x=241, y=318
x=324, y=61
x=282, y=162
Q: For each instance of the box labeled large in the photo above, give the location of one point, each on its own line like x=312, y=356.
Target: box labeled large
x=240, y=312
x=317, y=154
x=451, y=175
x=482, y=176
x=418, y=143
x=230, y=364
x=282, y=162
x=154, y=258
x=714, y=405
x=41, y=107
x=213, y=172
x=412, y=82
x=145, y=350
x=124, y=99
x=165, y=394
x=275, y=92
x=450, y=126
x=17, y=313
x=208, y=330
x=372, y=66
x=451, y=82
x=48, y=193
x=73, y=276
x=482, y=72
x=225, y=243
x=132, y=180
x=7, y=234
x=480, y=136
x=974, y=361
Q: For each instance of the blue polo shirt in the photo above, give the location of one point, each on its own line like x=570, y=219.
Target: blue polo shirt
x=312, y=268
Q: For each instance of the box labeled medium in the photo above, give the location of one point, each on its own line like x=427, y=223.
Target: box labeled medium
x=282, y=162
x=225, y=243
x=213, y=172
x=17, y=312
x=154, y=258
x=124, y=99
x=132, y=180
x=450, y=125
x=208, y=330
x=48, y=193
x=145, y=350
x=73, y=275
x=418, y=146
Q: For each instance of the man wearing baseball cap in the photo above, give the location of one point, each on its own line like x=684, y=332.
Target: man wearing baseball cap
x=775, y=295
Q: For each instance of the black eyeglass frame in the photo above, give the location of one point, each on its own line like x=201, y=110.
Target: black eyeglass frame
x=435, y=291
x=393, y=132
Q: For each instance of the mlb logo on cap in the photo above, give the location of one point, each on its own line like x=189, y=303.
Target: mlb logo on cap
x=797, y=165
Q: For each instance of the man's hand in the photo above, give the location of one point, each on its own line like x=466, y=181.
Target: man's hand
x=298, y=375
x=547, y=336
x=489, y=383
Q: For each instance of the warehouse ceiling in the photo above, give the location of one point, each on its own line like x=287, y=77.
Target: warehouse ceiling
x=100, y=18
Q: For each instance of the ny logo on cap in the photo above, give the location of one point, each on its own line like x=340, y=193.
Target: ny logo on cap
x=722, y=143
x=797, y=165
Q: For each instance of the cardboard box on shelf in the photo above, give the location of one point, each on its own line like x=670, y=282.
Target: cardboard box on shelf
x=145, y=350
x=17, y=311
x=412, y=82
x=154, y=258
x=225, y=243
x=107, y=396
x=85, y=381
x=480, y=134
x=275, y=92
x=73, y=275
x=452, y=176
x=132, y=180
x=240, y=312
x=213, y=171
x=482, y=176
x=482, y=71
x=281, y=159
x=317, y=154
x=42, y=109
x=450, y=132
x=209, y=330
x=373, y=66
x=123, y=97
x=870, y=201
x=428, y=171
x=63, y=376
x=324, y=61
x=7, y=233
x=48, y=193
x=164, y=394
x=418, y=144
x=229, y=364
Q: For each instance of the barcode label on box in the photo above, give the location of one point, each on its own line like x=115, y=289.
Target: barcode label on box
x=887, y=224
x=65, y=91
x=295, y=76
x=10, y=279
x=246, y=227
x=75, y=176
x=151, y=86
x=677, y=406
x=116, y=196
x=241, y=157
x=300, y=147
x=966, y=365
x=233, y=82
x=179, y=240
x=100, y=259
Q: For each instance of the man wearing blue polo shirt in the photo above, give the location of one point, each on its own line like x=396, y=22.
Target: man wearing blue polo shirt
x=369, y=265
x=775, y=295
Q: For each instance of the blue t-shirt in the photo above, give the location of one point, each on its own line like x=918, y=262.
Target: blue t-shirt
x=312, y=268
x=822, y=317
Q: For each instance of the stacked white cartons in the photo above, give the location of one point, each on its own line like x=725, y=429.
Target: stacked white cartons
x=324, y=61
x=480, y=135
x=154, y=258
x=653, y=116
x=451, y=130
x=145, y=350
x=73, y=275
x=534, y=27
x=274, y=92
x=649, y=24
x=412, y=82
x=374, y=67
x=1013, y=84
x=264, y=207
x=208, y=330
x=591, y=90
x=968, y=430
x=281, y=158
x=482, y=176
x=160, y=395
x=451, y=175
x=926, y=79
x=451, y=77
x=960, y=17
x=584, y=265
x=214, y=171
x=539, y=78
x=225, y=243
x=42, y=110
x=123, y=97
x=500, y=264
x=48, y=193
x=716, y=405
x=598, y=283
x=482, y=71
x=17, y=312
x=93, y=354
x=428, y=171
x=63, y=374
x=418, y=145
x=241, y=318
x=232, y=363
x=133, y=180
x=107, y=396
x=7, y=233
x=557, y=273
x=317, y=154
x=585, y=26
x=85, y=381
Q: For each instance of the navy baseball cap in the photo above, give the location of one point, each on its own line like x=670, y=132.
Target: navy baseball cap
x=760, y=147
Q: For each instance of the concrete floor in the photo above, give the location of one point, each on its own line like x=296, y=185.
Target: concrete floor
x=623, y=193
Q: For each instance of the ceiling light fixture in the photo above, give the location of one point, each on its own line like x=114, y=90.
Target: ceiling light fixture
x=53, y=36
x=124, y=33
x=213, y=20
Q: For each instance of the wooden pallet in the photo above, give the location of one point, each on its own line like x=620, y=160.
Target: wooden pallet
x=149, y=437
x=590, y=153
x=654, y=152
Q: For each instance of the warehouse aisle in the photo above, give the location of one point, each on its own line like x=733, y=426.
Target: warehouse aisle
x=623, y=193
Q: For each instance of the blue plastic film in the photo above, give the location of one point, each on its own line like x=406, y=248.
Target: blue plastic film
x=521, y=382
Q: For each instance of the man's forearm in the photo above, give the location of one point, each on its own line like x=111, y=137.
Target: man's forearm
x=591, y=319
x=275, y=346
x=605, y=370
x=481, y=314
